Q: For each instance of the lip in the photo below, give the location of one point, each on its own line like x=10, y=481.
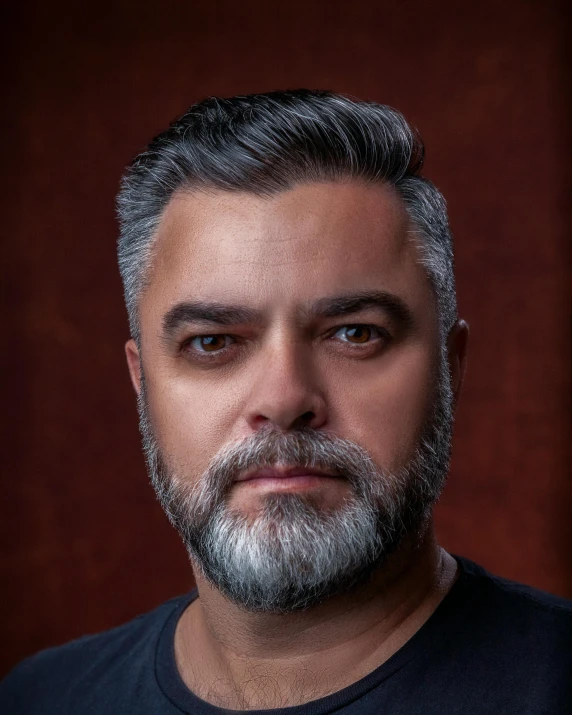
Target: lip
x=284, y=473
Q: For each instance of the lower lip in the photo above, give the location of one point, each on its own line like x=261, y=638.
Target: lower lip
x=288, y=484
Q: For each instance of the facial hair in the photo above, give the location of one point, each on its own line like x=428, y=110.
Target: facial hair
x=293, y=554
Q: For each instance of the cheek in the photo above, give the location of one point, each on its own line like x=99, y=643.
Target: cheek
x=381, y=405
x=384, y=408
x=191, y=421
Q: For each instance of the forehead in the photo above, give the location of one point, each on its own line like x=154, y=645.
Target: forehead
x=312, y=241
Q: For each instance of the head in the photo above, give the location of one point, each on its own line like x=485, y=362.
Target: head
x=295, y=344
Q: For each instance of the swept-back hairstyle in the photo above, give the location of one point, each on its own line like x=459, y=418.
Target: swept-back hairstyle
x=266, y=143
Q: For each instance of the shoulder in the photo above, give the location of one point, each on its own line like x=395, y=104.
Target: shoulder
x=516, y=593
x=516, y=611
x=49, y=676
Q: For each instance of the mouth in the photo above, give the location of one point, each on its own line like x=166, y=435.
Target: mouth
x=286, y=479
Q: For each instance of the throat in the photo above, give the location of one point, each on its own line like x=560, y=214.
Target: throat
x=260, y=686
x=245, y=661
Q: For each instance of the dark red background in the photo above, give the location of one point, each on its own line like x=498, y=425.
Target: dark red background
x=84, y=545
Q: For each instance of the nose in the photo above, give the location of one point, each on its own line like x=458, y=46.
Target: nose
x=286, y=392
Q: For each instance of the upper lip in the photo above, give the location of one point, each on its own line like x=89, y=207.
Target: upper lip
x=282, y=473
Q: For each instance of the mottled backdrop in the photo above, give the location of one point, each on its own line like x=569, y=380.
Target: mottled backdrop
x=84, y=546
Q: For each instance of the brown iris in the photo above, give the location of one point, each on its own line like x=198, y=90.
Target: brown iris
x=210, y=343
x=358, y=334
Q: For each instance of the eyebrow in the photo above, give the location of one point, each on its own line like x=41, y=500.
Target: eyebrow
x=203, y=312
x=393, y=305
x=337, y=306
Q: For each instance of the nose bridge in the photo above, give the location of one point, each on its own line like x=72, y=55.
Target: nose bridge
x=286, y=390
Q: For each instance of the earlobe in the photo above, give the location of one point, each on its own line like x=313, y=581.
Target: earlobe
x=134, y=364
x=457, y=343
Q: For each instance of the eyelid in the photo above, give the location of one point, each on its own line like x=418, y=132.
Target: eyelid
x=383, y=332
x=188, y=342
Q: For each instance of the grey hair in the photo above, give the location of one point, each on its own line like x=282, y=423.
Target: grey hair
x=294, y=554
x=267, y=143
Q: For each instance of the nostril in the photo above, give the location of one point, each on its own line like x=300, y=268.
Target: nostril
x=260, y=419
x=307, y=416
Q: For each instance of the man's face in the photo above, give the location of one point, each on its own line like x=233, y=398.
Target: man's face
x=307, y=310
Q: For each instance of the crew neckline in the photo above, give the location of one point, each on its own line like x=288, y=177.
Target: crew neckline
x=451, y=610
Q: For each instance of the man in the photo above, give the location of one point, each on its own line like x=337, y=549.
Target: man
x=297, y=357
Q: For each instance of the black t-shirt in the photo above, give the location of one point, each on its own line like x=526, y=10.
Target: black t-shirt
x=492, y=646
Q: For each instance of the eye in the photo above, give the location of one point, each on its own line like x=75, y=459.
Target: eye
x=209, y=343
x=359, y=334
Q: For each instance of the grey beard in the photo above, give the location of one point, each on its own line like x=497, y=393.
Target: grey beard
x=293, y=554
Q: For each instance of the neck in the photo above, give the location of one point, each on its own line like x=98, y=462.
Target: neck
x=240, y=660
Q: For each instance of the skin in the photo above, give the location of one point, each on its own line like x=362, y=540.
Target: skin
x=290, y=366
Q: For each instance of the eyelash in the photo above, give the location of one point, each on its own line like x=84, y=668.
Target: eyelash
x=383, y=336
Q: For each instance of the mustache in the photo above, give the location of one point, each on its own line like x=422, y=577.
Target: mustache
x=304, y=448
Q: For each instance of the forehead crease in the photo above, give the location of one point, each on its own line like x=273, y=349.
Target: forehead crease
x=221, y=231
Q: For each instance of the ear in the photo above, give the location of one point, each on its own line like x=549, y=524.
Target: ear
x=134, y=364
x=457, y=342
